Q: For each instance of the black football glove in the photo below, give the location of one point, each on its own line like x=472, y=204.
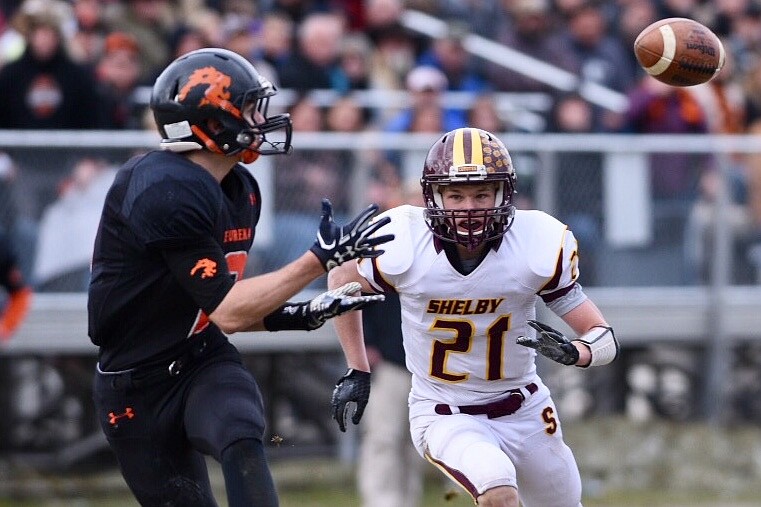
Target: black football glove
x=550, y=343
x=337, y=244
x=353, y=387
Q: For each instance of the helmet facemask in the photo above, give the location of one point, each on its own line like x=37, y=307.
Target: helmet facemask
x=469, y=227
x=254, y=135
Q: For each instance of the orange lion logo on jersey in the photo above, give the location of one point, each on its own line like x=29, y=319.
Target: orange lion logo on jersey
x=208, y=267
x=217, y=85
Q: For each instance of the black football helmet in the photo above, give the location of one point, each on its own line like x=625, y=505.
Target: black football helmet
x=214, y=83
x=468, y=155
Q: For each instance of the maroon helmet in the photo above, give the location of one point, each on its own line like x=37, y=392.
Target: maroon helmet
x=469, y=155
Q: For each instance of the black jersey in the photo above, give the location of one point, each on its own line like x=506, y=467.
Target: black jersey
x=170, y=244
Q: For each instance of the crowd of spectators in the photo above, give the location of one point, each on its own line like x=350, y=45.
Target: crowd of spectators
x=81, y=64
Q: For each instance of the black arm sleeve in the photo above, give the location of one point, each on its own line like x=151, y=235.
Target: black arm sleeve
x=290, y=316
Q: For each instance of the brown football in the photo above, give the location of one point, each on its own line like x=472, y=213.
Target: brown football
x=679, y=52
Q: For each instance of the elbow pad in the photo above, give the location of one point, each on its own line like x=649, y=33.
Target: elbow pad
x=602, y=344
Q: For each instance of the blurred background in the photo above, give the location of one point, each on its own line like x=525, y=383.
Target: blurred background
x=660, y=185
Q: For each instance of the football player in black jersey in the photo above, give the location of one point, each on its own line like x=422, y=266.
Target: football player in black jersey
x=173, y=238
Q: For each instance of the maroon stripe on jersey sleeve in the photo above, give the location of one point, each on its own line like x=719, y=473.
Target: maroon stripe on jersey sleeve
x=553, y=282
x=552, y=296
x=379, y=279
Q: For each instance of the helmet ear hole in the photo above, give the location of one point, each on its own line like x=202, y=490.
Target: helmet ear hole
x=214, y=126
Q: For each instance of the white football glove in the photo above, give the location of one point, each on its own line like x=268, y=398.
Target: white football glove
x=312, y=314
x=336, y=302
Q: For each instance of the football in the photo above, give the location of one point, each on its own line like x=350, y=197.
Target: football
x=679, y=52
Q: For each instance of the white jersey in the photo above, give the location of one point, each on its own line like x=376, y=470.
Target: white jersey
x=460, y=330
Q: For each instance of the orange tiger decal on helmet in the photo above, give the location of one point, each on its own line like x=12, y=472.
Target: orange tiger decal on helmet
x=217, y=92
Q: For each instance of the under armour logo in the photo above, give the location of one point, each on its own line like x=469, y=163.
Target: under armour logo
x=340, y=257
x=348, y=254
x=114, y=418
x=291, y=310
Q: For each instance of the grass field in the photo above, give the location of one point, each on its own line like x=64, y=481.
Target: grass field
x=327, y=483
x=310, y=498
x=686, y=465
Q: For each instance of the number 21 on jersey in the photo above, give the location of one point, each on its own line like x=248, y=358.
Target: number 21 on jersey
x=464, y=333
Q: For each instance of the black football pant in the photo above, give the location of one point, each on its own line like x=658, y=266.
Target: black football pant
x=161, y=432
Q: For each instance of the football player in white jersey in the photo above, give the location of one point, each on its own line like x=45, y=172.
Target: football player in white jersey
x=469, y=269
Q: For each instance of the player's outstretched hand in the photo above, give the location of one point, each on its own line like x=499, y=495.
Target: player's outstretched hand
x=550, y=343
x=351, y=389
x=337, y=244
x=336, y=302
x=312, y=314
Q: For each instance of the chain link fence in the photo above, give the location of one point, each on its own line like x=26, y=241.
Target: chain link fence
x=668, y=247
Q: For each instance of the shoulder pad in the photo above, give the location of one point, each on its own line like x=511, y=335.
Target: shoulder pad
x=399, y=252
x=542, y=237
